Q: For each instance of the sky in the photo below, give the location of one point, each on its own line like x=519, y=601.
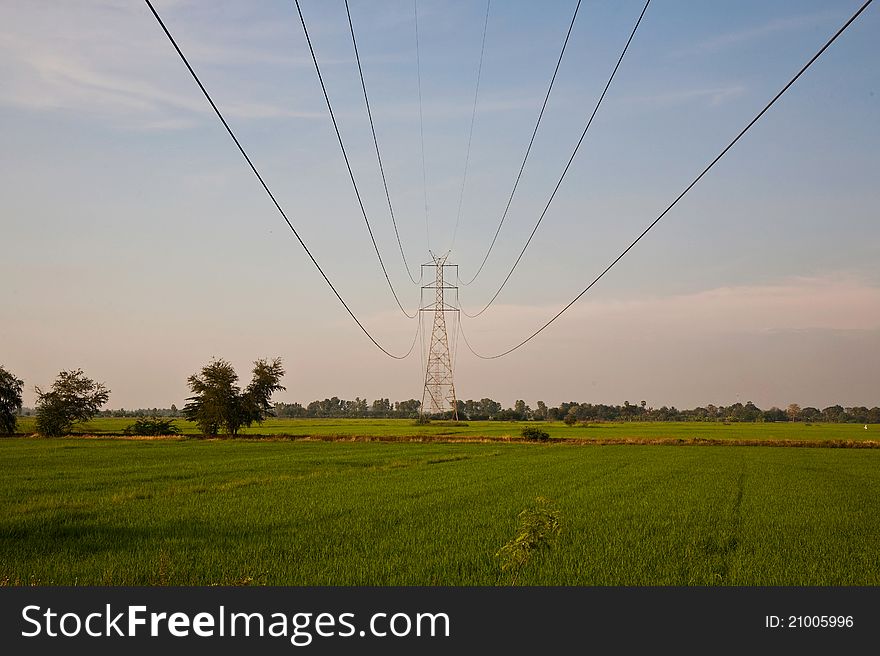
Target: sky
x=137, y=245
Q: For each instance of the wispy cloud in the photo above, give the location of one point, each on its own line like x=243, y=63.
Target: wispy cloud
x=711, y=96
x=100, y=62
x=756, y=32
x=813, y=340
x=454, y=109
x=832, y=302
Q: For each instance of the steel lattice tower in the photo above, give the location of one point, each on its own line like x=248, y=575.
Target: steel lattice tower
x=439, y=392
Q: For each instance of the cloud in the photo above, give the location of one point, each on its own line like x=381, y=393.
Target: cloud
x=711, y=96
x=444, y=109
x=104, y=61
x=813, y=340
x=831, y=303
x=739, y=37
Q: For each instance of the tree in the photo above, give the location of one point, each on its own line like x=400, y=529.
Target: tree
x=489, y=408
x=410, y=408
x=833, y=413
x=218, y=402
x=522, y=411
x=793, y=411
x=10, y=401
x=540, y=413
x=264, y=384
x=380, y=408
x=774, y=414
x=73, y=397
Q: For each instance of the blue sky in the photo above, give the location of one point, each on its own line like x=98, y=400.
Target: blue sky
x=138, y=244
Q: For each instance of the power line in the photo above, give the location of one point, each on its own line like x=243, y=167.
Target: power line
x=376, y=144
x=568, y=165
x=422, y=361
x=357, y=192
x=467, y=156
x=456, y=329
x=683, y=193
x=421, y=124
x=413, y=343
x=266, y=187
x=529, y=149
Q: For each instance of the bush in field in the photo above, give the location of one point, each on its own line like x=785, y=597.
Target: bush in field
x=10, y=401
x=152, y=426
x=570, y=418
x=73, y=397
x=536, y=532
x=535, y=434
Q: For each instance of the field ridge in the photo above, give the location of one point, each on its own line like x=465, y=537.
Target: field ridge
x=489, y=439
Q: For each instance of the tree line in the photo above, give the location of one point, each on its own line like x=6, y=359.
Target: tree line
x=737, y=412
x=573, y=412
x=219, y=404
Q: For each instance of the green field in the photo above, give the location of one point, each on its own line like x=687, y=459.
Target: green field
x=105, y=511
x=597, y=431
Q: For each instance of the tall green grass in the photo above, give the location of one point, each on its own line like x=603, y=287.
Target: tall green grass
x=313, y=513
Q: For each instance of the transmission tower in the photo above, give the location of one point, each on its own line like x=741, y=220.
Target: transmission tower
x=439, y=392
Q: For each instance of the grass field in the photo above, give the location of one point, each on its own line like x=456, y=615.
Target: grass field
x=597, y=431
x=104, y=511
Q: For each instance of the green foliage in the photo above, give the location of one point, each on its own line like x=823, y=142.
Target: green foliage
x=570, y=418
x=219, y=403
x=152, y=426
x=10, y=401
x=535, y=434
x=215, y=395
x=72, y=398
x=536, y=531
x=256, y=399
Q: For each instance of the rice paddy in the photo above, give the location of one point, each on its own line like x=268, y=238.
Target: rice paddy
x=93, y=511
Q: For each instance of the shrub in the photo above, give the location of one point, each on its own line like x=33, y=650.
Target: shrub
x=535, y=434
x=536, y=531
x=152, y=426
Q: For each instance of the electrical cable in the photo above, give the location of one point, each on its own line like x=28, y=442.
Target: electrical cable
x=376, y=144
x=266, y=187
x=683, y=193
x=528, y=149
x=456, y=329
x=422, y=362
x=467, y=157
x=422, y=124
x=568, y=165
x=347, y=163
x=413, y=343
